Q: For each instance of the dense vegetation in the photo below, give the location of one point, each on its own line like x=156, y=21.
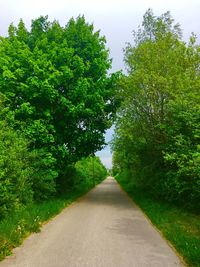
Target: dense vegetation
x=15, y=168
x=56, y=104
x=158, y=126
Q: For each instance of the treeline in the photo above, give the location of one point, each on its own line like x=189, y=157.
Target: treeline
x=56, y=102
x=156, y=144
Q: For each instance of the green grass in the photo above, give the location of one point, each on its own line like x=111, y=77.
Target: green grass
x=180, y=227
x=19, y=224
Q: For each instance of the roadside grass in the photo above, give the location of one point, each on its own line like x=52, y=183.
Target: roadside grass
x=178, y=226
x=26, y=220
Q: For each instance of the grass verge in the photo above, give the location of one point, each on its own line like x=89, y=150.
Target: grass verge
x=21, y=223
x=178, y=226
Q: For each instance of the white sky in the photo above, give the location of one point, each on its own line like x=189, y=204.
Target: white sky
x=115, y=18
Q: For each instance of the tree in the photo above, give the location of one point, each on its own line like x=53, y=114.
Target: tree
x=158, y=121
x=55, y=80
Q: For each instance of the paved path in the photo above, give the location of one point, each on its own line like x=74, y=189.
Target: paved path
x=103, y=229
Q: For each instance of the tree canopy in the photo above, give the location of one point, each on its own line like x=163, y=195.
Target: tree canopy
x=157, y=130
x=55, y=79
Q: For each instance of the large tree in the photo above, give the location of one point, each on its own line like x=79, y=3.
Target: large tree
x=157, y=130
x=56, y=81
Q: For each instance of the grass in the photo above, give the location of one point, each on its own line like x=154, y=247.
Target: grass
x=178, y=226
x=24, y=221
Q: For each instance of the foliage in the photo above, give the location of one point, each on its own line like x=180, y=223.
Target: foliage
x=90, y=170
x=56, y=84
x=43, y=177
x=57, y=103
x=157, y=129
x=86, y=172
x=15, y=169
x=182, y=154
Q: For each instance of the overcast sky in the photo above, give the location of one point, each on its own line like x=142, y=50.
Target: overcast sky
x=115, y=18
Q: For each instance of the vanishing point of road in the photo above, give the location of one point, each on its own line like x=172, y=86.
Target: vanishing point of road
x=102, y=229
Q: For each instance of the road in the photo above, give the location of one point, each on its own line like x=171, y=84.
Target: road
x=102, y=229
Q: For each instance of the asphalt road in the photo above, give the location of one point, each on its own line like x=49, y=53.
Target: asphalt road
x=102, y=229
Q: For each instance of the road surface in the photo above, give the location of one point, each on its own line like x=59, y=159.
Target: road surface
x=103, y=229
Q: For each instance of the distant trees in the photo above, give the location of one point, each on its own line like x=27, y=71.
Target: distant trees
x=55, y=83
x=90, y=169
x=158, y=126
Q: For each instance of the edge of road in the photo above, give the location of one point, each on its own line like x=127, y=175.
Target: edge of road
x=149, y=220
x=74, y=202
x=67, y=206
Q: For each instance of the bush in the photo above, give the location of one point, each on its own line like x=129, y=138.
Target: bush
x=15, y=170
x=87, y=172
x=90, y=171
